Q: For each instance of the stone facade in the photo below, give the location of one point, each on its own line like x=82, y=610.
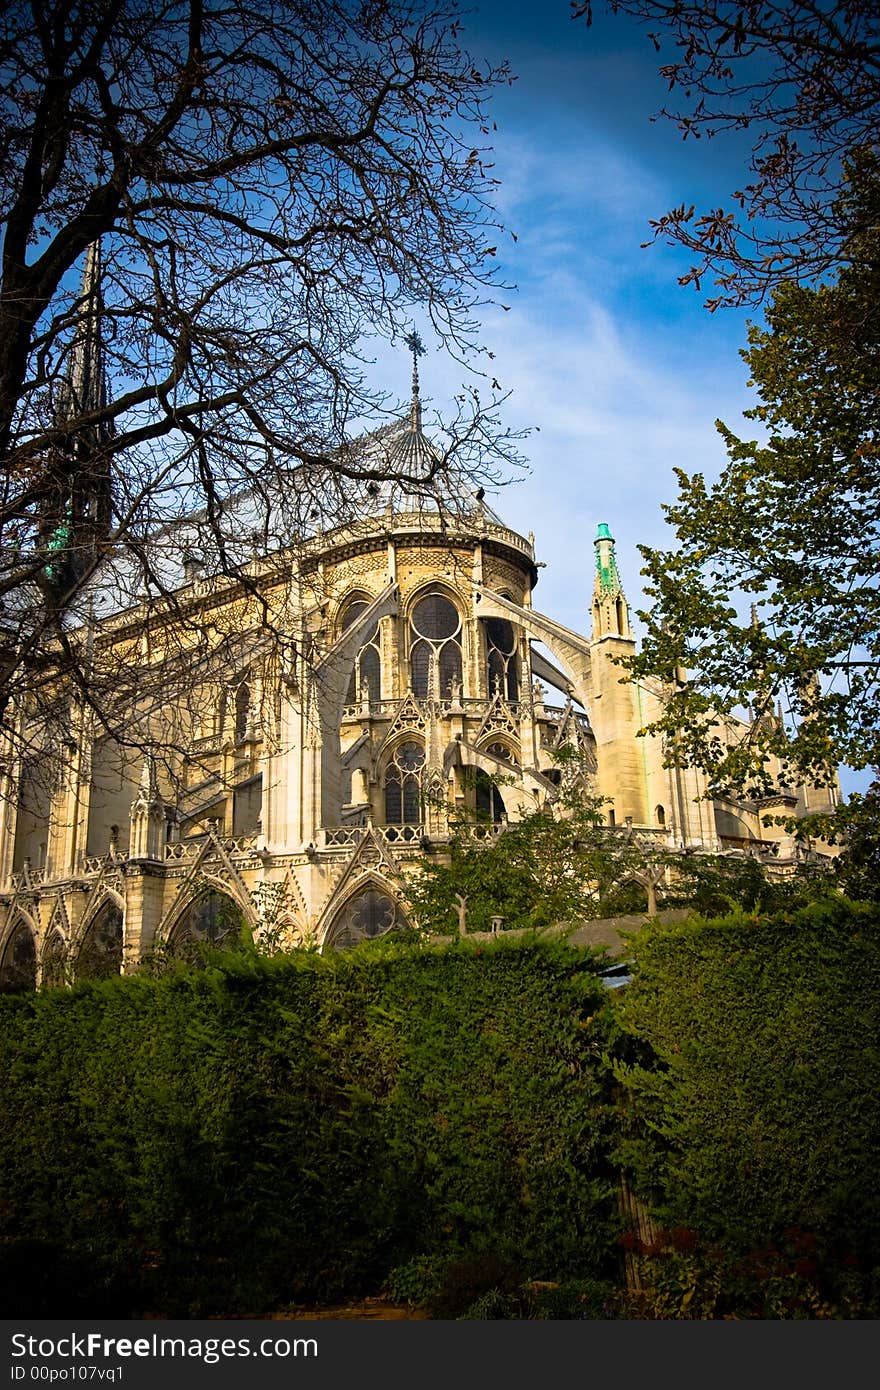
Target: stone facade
x=316, y=722
x=320, y=773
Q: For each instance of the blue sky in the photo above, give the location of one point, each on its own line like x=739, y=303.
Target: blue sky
x=618, y=370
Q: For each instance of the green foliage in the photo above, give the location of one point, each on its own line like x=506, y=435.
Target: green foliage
x=681, y=1278
x=262, y=1131
x=793, y=523
x=481, y=1286
x=486, y=1286
x=857, y=869
x=756, y=1108
x=543, y=869
x=713, y=884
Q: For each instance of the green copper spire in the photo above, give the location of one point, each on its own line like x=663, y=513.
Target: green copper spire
x=607, y=577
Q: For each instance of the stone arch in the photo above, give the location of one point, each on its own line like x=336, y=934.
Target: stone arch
x=489, y=792
x=356, y=594
x=521, y=794
x=97, y=951
x=18, y=957
x=370, y=908
x=281, y=916
x=643, y=879
x=500, y=656
x=440, y=584
x=365, y=680
x=570, y=649
x=209, y=914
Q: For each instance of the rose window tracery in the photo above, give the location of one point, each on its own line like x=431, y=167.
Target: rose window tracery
x=366, y=915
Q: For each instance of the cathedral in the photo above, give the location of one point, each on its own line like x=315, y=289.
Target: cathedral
x=318, y=720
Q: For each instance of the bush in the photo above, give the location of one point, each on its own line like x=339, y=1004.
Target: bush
x=483, y=1285
x=258, y=1132
x=682, y=1278
x=756, y=1109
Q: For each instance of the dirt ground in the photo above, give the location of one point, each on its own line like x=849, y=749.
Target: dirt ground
x=367, y=1308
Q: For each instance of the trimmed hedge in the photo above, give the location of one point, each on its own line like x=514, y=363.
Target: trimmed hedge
x=755, y=1114
x=264, y=1131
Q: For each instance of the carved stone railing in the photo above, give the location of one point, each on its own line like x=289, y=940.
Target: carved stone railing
x=94, y=863
x=450, y=527
x=482, y=830
x=183, y=850
x=22, y=880
x=341, y=836
x=473, y=706
x=345, y=836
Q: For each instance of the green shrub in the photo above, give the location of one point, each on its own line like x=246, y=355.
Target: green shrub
x=483, y=1285
x=682, y=1278
x=258, y=1132
x=754, y=1108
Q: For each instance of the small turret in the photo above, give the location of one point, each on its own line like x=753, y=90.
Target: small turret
x=148, y=822
x=610, y=609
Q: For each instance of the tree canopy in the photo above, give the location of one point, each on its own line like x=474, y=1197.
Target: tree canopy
x=793, y=523
x=802, y=82
x=548, y=867
x=260, y=189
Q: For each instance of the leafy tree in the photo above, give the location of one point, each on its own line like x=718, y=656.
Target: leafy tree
x=548, y=867
x=265, y=186
x=794, y=523
x=857, y=869
x=803, y=82
x=713, y=884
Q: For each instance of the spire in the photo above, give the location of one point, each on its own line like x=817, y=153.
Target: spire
x=417, y=348
x=76, y=514
x=147, y=824
x=85, y=387
x=610, y=611
x=411, y=452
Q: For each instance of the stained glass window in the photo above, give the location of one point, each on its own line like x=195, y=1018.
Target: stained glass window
x=435, y=644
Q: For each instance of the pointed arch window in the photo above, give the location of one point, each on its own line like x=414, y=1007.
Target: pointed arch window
x=220, y=714
x=435, y=647
x=366, y=676
x=403, y=785
x=100, y=954
x=242, y=710
x=213, y=919
x=366, y=915
x=502, y=665
x=18, y=964
x=488, y=799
